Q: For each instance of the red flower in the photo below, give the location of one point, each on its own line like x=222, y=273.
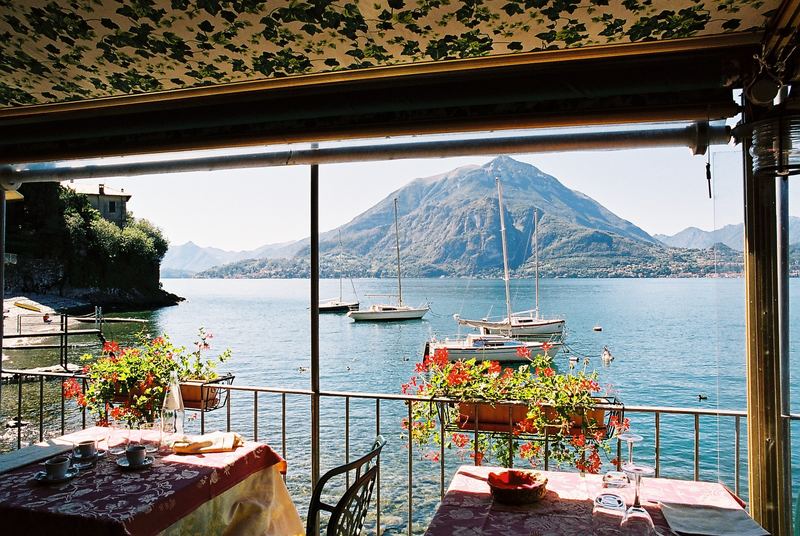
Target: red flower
x=579, y=440
x=440, y=358
x=494, y=367
x=431, y=455
x=524, y=351
x=158, y=341
x=110, y=347
x=546, y=346
x=529, y=450
x=72, y=388
x=458, y=374
x=547, y=372
x=460, y=440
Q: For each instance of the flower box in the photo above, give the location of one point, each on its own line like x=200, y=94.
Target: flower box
x=505, y=417
x=201, y=394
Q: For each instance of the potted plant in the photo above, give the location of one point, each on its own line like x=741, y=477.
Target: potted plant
x=548, y=412
x=198, y=374
x=129, y=383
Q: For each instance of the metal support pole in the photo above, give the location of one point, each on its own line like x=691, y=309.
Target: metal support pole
x=315, y=388
x=769, y=464
x=2, y=269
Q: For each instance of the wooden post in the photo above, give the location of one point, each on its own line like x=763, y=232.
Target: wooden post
x=769, y=464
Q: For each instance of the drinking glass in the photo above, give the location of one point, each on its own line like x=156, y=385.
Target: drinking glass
x=630, y=438
x=119, y=438
x=637, y=521
x=149, y=435
x=607, y=514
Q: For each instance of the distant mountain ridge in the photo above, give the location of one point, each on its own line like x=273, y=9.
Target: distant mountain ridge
x=730, y=235
x=187, y=259
x=450, y=225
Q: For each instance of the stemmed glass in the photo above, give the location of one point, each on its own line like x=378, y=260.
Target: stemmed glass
x=637, y=521
x=630, y=438
x=119, y=438
x=607, y=514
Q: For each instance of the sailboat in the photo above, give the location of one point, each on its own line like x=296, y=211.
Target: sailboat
x=389, y=312
x=339, y=305
x=523, y=324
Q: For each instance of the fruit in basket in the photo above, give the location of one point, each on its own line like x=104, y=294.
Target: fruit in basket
x=515, y=486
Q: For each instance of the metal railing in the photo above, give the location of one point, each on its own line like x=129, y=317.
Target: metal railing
x=239, y=391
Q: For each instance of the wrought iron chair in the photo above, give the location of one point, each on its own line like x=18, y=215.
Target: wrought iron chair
x=347, y=517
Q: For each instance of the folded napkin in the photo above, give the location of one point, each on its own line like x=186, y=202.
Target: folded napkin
x=204, y=444
x=710, y=520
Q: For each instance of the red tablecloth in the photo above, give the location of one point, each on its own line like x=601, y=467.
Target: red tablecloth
x=107, y=500
x=566, y=510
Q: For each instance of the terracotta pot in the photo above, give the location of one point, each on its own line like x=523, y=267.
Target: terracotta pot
x=197, y=397
x=496, y=418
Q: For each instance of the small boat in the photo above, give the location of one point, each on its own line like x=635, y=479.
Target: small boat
x=377, y=313
x=490, y=348
x=524, y=324
x=29, y=306
x=392, y=312
x=339, y=305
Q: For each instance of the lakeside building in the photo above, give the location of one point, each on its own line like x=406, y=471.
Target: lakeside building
x=110, y=202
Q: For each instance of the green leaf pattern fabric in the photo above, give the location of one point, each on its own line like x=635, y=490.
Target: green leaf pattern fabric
x=57, y=51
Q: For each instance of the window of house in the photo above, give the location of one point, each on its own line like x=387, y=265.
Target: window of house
x=112, y=206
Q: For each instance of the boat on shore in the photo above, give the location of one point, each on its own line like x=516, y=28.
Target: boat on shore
x=391, y=312
x=524, y=324
x=490, y=348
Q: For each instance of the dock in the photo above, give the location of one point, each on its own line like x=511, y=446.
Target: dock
x=10, y=376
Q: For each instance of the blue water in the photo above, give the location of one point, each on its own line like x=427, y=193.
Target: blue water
x=672, y=339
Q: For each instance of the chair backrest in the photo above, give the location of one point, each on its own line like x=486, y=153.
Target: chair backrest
x=347, y=516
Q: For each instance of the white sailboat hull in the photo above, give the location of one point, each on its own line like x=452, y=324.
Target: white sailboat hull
x=521, y=326
x=490, y=350
x=387, y=313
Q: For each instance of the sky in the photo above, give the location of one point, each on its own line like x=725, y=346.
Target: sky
x=660, y=190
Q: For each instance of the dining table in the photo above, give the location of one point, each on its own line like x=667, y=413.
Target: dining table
x=468, y=508
x=240, y=492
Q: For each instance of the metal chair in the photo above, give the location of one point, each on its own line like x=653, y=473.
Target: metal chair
x=347, y=517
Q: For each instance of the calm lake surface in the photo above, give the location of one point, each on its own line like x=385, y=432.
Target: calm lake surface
x=672, y=339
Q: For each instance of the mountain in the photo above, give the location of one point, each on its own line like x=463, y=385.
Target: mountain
x=730, y=235
x=450, y=225
x=187, y=259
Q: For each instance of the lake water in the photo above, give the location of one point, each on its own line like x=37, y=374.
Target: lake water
x=673, y=339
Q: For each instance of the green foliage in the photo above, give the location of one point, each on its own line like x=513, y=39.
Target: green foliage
x=558, y=405
x=57, y=223
x=130, y=383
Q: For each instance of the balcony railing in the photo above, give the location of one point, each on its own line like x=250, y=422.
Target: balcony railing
x=399, y=406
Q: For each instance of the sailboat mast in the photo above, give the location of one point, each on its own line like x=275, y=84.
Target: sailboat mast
x=340, y=267
x=505, y=248
x=536, y=254
x=397, y=243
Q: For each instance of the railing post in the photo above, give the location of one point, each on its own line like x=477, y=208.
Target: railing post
x=658, y=442
x=2, y=270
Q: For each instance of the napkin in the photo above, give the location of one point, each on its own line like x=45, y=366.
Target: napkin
x=710, y=520
x=204, y=444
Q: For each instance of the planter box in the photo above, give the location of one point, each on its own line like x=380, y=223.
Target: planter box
x=504, y=417
x=202, y=395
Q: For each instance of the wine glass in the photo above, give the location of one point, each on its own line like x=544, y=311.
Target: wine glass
x=630, y=438
x=607, y=514
x=637, y=521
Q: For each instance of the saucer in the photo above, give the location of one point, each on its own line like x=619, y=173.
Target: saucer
x=99, y=453
x=42, y=477
x=125, y=466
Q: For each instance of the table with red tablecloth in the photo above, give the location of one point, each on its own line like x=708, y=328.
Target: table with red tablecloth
x=238, y=492
x=566, y=509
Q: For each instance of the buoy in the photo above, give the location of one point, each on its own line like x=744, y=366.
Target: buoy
x=597, y=328
x=303, y=369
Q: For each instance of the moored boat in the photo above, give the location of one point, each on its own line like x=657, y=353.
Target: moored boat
x=392, y=312
x=490, y=348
